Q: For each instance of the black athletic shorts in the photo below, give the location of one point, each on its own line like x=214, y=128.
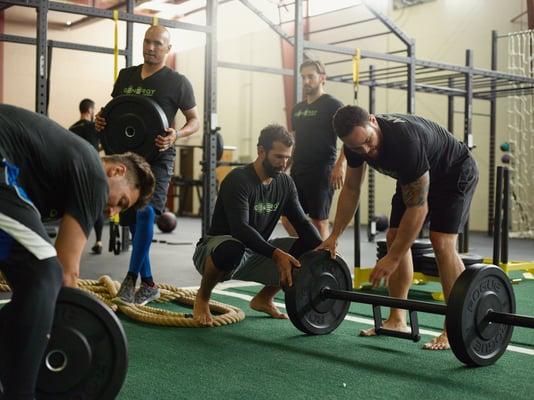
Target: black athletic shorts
x=449, y=199
x=163, y=169
x=315, y=192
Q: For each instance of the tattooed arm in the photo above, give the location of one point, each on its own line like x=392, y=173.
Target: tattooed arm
x=415, y=196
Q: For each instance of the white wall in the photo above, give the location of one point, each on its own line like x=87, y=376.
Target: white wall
x=74, y=74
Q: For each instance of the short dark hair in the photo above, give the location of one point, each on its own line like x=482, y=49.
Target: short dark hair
x=348, y=117
x=85, y=105
x=274, y=133
x=318, y=65
x=139, y=175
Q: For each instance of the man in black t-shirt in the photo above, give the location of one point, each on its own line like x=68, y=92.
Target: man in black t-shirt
x=314, y=168
x=172, y=91
x=85, y=128
x=47, y=173
x=435, y=174
x=250, y=202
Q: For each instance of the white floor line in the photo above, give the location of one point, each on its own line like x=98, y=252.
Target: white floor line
x=5, y=301
x=225, y=285
x=367, y=321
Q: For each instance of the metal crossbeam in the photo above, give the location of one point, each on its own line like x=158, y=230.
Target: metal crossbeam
x=255, y=68
x=101, y=13
x=422, y=63
x=390, y=25
x=59, y=44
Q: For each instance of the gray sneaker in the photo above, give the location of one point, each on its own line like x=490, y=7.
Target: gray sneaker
x=146, y=294
x=126, y=293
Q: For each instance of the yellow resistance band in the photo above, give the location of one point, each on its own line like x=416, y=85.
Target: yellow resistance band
x=356, y=73
x=116, y=46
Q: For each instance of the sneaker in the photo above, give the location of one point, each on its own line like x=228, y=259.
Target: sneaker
x=146, y=294
x=97, y=248
x=126, y=293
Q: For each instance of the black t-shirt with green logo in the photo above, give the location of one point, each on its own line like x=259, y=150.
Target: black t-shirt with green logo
x=171, y=90
x=61, y=173
x=86, y=130
x=315, y=139
x=249, y=210
x=410, y=147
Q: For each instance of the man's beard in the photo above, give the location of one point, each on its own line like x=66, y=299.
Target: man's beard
x=310, y=90
x=270, y=170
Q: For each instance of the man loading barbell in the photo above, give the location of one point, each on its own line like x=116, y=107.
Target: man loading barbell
x=48, y=173
x=436, y=175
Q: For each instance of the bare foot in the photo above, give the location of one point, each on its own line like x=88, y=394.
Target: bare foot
x=438, y=343
x=201, y=312
x=266, y=306
x=387, y=324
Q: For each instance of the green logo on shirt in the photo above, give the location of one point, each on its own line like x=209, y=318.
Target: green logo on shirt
x=265, y=208
x=306, y=113
x=130, y=90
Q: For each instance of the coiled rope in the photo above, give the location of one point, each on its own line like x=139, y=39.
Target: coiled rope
x=106, y=289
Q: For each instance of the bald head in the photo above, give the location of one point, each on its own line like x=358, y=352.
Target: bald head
x=156, y=45
x=158, y=30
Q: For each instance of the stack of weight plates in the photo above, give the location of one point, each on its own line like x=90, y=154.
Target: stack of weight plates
x=419, y=248
x=428, y=266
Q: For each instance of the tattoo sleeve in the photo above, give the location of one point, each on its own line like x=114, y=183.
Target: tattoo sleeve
x=415, y=194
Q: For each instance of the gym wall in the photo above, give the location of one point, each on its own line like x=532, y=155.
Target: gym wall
x=442, y=30
x=247, y=101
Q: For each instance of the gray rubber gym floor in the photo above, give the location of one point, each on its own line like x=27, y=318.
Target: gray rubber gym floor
x=172, y=264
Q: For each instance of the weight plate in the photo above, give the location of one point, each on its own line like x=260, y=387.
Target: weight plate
x=421, y=252
x=132, y=124
x=426, y=264
x=417, y=245
x=415, y=253
x=306, y=308
x=87, y=356
x=430, y=270
x=470, y=259
x=480, y=288
x=429, y=258
x=467, y=258
x=421, y=244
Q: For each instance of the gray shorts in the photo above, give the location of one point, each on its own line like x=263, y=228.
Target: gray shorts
x=253, y=266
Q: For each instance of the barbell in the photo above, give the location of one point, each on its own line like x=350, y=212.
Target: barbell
x=87, y=355
x=479, y=318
